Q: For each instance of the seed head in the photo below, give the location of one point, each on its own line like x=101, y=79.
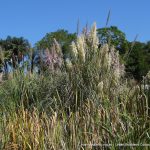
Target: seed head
x=93, y=39
x=68, y=64
x=81, y=48
x=74, y=51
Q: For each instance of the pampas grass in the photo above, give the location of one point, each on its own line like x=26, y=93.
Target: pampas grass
x=89, y=101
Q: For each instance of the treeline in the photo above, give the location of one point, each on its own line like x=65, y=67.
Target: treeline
x=16, y=51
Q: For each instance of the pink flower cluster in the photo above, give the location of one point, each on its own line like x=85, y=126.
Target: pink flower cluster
x=53, y=60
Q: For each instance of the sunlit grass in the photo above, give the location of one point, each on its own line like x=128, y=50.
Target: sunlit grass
x=85, y=100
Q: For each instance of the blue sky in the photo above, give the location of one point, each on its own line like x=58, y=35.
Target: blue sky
x=32, y=19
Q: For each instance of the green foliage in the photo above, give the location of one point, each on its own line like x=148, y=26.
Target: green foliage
x=137, y=63
x=15, y=45
x=113, y=36
x=86, y=101
x=136, y=57
x=14, y=49
x=62, y=36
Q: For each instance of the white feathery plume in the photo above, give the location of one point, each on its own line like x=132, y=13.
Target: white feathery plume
x=74, y=50
x=105, y=56
x=68, y=63
x=81, y=48
x=93, y=39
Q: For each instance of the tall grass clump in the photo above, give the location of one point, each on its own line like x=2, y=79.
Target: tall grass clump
x=82, y=99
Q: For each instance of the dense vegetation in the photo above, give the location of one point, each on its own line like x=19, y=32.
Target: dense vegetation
x=81, y=94
x=135, y=55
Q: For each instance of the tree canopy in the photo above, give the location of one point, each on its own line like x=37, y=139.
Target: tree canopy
x=14, y=49
x=115, y=37
x=63, y=37
x=138, y=62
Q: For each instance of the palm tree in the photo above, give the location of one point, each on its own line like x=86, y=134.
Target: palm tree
x=15, y=49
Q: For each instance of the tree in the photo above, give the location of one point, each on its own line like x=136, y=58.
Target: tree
x=62, y=37
x=14, y=49
x=115, y=37
x=137, y=63
x=135, y=56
